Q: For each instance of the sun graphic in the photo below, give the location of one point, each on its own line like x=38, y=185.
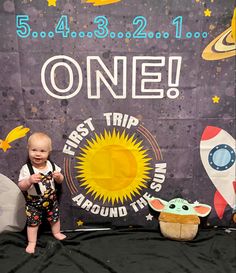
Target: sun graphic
x=113, y=167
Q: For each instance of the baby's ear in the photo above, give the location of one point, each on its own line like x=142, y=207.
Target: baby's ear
x=50, y=148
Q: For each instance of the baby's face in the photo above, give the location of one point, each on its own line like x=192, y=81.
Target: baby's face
x=39, y=150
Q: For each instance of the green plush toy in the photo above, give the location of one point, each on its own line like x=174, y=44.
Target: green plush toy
x=179, y=219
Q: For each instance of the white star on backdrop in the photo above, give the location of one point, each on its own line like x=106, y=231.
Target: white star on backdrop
x=149, y=217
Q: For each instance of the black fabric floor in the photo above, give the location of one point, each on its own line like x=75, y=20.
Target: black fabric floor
x=120, y=251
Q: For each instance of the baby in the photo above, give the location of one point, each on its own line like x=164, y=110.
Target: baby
x=37, y=178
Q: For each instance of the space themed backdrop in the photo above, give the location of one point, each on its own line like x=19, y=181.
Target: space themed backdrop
x=138, y=97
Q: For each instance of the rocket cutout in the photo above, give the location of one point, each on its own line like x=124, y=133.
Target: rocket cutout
x=217, y=150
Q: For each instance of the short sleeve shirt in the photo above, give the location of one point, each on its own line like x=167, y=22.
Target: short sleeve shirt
x=25, y=173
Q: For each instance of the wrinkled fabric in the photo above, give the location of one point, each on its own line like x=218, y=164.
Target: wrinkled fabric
x=120, y=251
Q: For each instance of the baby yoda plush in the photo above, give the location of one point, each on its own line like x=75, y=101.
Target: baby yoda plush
x=178, y=218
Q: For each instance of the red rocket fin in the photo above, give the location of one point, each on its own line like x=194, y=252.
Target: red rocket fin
x=234, y=185
x=220, y=204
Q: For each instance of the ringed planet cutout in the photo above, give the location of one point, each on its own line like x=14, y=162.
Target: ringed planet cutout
x=224, y=45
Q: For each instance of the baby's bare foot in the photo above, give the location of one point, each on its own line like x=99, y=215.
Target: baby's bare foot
x=30, y=247
x=59, y=236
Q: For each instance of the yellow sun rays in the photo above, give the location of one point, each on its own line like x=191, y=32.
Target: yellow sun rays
x=113, y=167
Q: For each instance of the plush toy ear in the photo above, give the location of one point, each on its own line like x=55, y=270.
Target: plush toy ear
x=202, y=209
x=157, y=204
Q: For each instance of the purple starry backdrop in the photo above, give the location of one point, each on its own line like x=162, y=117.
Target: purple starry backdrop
x=176, y=124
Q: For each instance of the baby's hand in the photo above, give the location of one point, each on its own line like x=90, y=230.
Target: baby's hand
x=58, y=176
x=35, y=178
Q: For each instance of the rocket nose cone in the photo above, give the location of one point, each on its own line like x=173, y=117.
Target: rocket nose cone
x=210, y=132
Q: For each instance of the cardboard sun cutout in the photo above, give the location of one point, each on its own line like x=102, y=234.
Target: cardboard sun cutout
x=179, y=219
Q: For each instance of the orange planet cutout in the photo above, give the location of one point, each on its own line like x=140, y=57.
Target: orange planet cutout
x=233, y=24
x=224, y=45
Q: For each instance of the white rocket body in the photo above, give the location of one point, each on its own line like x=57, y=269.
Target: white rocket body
x=217, y=150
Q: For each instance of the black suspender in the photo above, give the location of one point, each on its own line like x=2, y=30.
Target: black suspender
x=31, y=170
x=53, y=165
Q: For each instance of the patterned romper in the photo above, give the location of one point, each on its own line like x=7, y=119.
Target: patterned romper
x=43, y=201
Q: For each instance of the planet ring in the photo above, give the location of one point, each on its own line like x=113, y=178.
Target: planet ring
x=221, y=47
